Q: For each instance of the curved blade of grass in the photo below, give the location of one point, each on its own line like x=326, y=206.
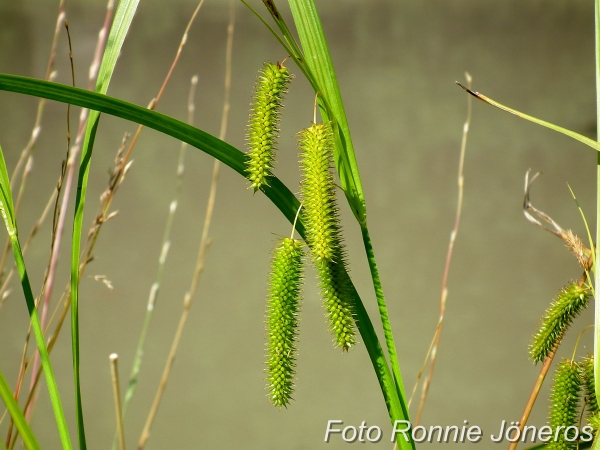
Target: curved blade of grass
x=17, y=415
x=8, y=215
x=123, y=16
x=318, y=60
x=595, y=145
x=278, y=193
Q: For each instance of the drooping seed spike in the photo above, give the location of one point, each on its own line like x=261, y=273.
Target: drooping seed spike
x=318, y=191
x=271, y=86
x=335, y=289
x=283, y=306
x=587, y=378
x=564, y=402
x=323, y=231
x=568, y=303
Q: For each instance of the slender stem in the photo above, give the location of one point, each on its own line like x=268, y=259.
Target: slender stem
x=453, y=234
x=114, y=372
x=385, y=320
x=204, y=241
x=39, y=337
x=532, y=397
x=154, y=291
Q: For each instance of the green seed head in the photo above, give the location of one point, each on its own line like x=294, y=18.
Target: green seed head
x=335, y=289
x=318, y=192
x=282, y=319
x=564, y=402
x=271, y=86
x=568, y=303
x=323, y=231
x=587, y=378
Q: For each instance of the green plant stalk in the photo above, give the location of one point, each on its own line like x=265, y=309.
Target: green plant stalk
x=385, y=321
x=318, y=60
x=39, y=337
x=278, y=193
x=17, y=415
x=123, y=16
x=7, y=211
x=596, y=445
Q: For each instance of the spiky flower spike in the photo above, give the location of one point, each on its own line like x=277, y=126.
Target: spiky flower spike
x=568, y=303
x=271, y=85
x=282, y=319
x=323, y=234
x=587, y=378
x=564, y=401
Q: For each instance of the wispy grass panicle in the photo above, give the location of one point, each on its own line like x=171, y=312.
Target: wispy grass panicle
x=564, y=402
x=567, y=304
x=283, y=306
x=323, y=231
x=263, y=128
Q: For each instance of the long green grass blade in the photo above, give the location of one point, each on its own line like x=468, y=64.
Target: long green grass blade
x=120, y=26
x=278, y=193
x=17, y=415
x=318, y=59
x=8, y=215
x=595, y=145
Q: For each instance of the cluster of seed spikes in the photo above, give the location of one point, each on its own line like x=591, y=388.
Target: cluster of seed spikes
x=564, y=402
x=271, y=85
x=323, y=235
x=569, y=302
x=282, y=319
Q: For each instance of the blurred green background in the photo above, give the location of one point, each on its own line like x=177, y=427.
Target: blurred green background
x=396, y=62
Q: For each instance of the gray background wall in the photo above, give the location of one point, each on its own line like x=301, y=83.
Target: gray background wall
x=396, y=62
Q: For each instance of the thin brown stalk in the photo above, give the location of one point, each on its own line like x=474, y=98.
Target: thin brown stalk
x=162, y=261
x=453, y=235
x=532, y=398
x=167, y=78
x=114, y=372
x=204, y=243
x=67, y=176
x=26, y=152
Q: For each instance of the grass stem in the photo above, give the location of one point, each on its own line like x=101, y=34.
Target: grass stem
x=114, y=373
x=453, y=234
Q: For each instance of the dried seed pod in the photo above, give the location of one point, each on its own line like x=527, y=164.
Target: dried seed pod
x=564, y=402
x=282, y=319
x=271, y=86
x=323, y=232
x=568, y=303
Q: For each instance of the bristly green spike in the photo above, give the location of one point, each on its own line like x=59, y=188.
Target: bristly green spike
x=271, y=86
x=335, y=288
x=564, y=402
x=591, y=402
x=568, y=303
x=282, y=319
x=323, y=232
x=318, y=192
